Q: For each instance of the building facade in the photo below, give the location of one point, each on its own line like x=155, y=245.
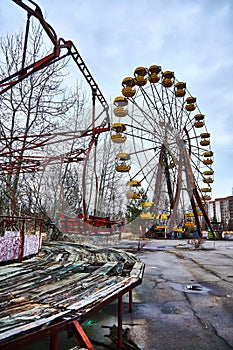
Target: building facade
x=220, y=212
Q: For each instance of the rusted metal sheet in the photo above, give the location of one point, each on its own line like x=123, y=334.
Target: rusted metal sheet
x=66, y=281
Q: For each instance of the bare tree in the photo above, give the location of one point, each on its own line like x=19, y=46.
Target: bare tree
x=31, y=111
x=33, y=108
x=111, y=186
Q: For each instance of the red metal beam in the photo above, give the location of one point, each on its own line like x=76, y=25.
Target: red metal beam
x=22, y=74
x=81, y=336
x=36, y=12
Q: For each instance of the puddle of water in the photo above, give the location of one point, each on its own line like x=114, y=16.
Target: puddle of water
x=194, y=287
x=190, y=288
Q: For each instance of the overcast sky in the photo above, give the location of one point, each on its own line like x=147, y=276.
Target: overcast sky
x=193, y=38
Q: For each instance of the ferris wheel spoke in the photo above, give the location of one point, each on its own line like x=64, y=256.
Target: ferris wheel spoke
x=143, y=168
x=149, y=117
x=149, y=103
x=163, y=113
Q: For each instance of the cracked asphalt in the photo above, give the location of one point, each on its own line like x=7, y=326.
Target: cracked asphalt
x=184, y=302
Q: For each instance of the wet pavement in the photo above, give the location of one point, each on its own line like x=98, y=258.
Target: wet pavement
x=184, y=302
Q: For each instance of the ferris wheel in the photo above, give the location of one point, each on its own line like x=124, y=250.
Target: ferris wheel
x=164, y=146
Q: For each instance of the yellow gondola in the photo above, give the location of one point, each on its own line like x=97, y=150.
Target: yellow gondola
x=118, y=127
x=206, y=197
x=133, y=195
x=180, y=87
x=123, y=156
x=207, y=161
x=189, y=224
x=128, y=83
x=189, y=215
x=205, y=139
x=168, y=78
x=190, y=106
x=208, y=154
x=164, y=216
x=205, y=189
x=123, y=168
x=154, y=71
x=204, y=142
x=134, y=183
x=178, y=229
x=208, y=180
x=191, y=100
x=140, y=73
x=208, y=172
x=147, y=216
x=120, y=112
x=147, y=204
x=118, y=138
x=198, y=124
x=120, y=102
x=122, y=162
x=205, y=135
x=199, y=116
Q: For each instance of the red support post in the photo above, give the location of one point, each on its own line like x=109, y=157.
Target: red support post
x=81, y=336
x=130, y=300
x=120, y=322
x=54, y=342
x=22, y=239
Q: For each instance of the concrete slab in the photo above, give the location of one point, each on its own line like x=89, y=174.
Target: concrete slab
x=166, y=314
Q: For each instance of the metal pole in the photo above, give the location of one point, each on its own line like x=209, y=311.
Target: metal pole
x=26, y=40
x=130, y=300
x=22, y=239
x=53, y=342
x=120, y=322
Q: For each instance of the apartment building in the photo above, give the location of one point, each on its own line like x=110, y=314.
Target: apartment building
x=220, y=212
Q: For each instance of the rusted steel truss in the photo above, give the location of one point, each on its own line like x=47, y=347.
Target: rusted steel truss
x=12, y=161
x=59, y=44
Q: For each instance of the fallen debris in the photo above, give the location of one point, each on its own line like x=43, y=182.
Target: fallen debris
x=127, y=343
